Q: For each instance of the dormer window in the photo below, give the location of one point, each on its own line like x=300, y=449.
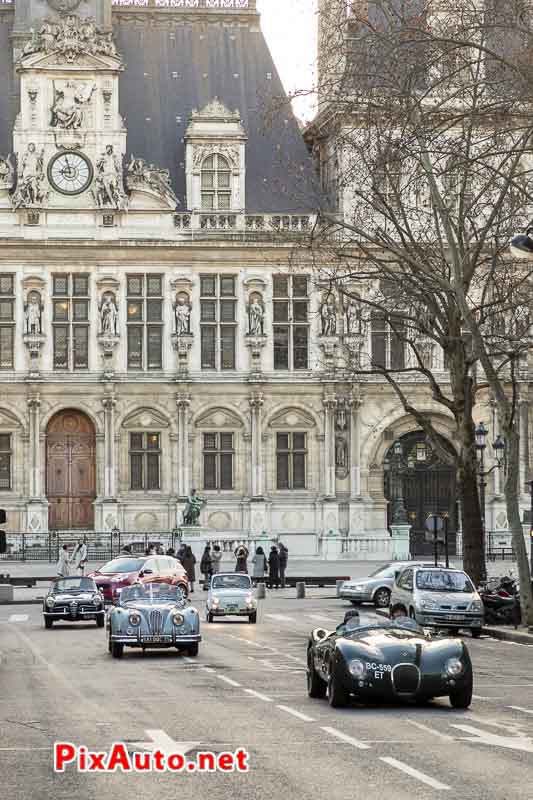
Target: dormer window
x=216, y=184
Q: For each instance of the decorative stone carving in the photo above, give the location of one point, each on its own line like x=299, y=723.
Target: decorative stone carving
x=355, y=320
x=109, y=192
x=71, y=37
x=108, y=315
x=31, y=189
x=231, y=154
x=182, y=314
x=341, y=422
x=33, y=309
x=7, y=173
x=64, y=6
x=328, y=315
x=256, y=315
x=146, y=177
x=70, y=100
x=341, y=457
x=182, y=343
x=255, y=344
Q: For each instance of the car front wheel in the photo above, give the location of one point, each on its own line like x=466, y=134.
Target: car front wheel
x=48, y=622
x=117, y=649
x=462, y=698
x=316, y=687
x=209, y=617
x=476, y=633
x=338, y=697
x=252, y=618
x=193, y=649
x=382, y=598
x=100, y=620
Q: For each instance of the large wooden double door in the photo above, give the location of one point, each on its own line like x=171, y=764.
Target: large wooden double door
x=70, y=471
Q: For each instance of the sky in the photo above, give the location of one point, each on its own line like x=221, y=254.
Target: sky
x=290, y=30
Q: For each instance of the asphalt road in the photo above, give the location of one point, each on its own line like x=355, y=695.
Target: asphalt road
x=247, y=689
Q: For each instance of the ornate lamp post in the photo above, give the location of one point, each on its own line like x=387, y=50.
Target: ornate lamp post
x=398, y=465
x=499, y=452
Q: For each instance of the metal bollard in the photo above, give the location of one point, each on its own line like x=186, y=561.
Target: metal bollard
x=339, y=585
x=260, y=592
x=300, y=590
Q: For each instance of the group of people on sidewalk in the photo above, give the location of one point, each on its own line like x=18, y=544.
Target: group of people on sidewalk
x=272, y=567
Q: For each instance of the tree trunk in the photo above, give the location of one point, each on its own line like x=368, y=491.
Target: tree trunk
x=473, y=538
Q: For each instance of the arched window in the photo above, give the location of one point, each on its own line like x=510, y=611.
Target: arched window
x=216, y=184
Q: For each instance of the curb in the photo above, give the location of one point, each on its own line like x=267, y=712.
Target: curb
x=24, y=603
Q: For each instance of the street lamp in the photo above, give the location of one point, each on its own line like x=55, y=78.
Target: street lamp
x=498, y=446
x=399, y=512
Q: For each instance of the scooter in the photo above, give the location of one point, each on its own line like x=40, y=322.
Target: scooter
x=501, y=601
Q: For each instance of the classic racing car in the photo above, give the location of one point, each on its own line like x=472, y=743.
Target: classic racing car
x=73, y=599
x=153, y=615
x=387, y=660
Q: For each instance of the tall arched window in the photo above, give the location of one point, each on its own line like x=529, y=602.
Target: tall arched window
x=216, y=184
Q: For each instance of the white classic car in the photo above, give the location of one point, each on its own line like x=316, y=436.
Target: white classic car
x=231, y=594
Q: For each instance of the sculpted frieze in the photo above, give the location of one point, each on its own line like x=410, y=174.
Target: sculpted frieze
x=71, y=37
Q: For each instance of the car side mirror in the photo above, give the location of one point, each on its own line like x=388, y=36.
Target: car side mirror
x=147, y=572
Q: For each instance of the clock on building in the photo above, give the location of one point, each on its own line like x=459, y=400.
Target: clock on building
x=70, y=173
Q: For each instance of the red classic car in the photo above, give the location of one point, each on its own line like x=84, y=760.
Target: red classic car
x=125, y=570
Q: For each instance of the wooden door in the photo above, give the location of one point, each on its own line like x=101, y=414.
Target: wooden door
x=71, y=471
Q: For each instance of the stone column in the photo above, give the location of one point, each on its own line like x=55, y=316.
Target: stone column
x=355, y=447
x=109, y=404
x=330, y=404
x=256, y=485
x=183, y=403
x=34, y=406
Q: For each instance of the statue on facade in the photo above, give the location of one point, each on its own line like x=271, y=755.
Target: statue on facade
x=71, y=37
x=140, y=175
x=182, y=315
x=108, y=316
x=109, y=189
x=33, y=314
x=192, y=510
x=7, y=173
x=355, y=321
x=68, y=111
x=328, y=317
x=31, y=189
x=256, y=318
x=341, y=453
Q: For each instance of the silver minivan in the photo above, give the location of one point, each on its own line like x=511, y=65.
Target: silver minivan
x=377, y=587
x=438, y=597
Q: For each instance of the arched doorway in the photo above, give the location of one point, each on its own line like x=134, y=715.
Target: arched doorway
x=70, y=470
x=423, y=483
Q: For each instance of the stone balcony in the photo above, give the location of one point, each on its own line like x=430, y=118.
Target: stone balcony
x=199, y=224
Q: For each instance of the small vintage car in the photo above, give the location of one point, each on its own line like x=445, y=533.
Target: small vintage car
x=153, y=615
x=73, y=599
x=387, y=660
x=231, y=594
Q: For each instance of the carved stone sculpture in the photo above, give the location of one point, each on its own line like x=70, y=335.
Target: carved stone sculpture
x=71, y=37
x=192, y=509
x=328, y=317
x=109, y=186
x=140, y=175
x=108, y=316
x=71, y=98
x=355, y=318
x=7, y=173
x=256, y=318
x=182, y=315
x=31, y=188
x=33, y=309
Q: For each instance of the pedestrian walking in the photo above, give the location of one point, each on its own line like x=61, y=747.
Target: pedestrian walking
x=260, y=565
x=181, y=552
x=241, y=554
x=283, y=559
x=171, y=552
x=188, y=561
x=216, y=558
x=79, y=556
x=206, y=566
x=63, y=564
x=273, y=568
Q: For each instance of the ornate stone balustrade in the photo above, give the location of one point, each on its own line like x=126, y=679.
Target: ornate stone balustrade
x=256, y=225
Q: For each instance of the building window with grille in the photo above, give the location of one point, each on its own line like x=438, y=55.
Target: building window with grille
x=388, y=345
x=7, y=321
x=5, y=462
x=145, y=322
x=218, y=322
x=70, y=321
x=291, y=457
x=145, y=460
x=291, y=316
x=218, y=460
x=216, y=184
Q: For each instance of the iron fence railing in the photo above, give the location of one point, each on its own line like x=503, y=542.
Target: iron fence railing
x=101, y=546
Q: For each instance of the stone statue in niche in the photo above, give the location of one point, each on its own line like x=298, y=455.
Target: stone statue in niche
x=30, y=185
x=7, y=173
x=109, y=186
x=71, y=98
x=109, y=315
x=256, y=316
x=341, y=457
x=182, y=314
x=354, y=316
x=33, y=310
x=328, y=316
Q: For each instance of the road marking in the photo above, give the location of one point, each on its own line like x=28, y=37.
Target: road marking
x=18, y=618
x=523, y=710
x=319, y=617
x=295, y=658
x=207, y=669
x=414, y=773
x=345, y=738
x=297, y=714
x=492, y=723
x=228, y=680
x=259, y=695
x=427, y=729
x=482, y=697
x=164, y=743
x=520, y=742
x=280, y=617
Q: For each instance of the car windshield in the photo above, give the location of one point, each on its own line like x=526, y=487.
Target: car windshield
x=231, y=582
x=442, y=581
x=401, y=627
x=151, y=593
x=384, y=572
x=74, y=585
x=121, y=565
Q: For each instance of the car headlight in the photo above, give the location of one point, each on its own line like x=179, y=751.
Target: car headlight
x=454, y=667
x=97, y=600
x=178, y=619
x=50, y=602
x=216, y=601
x=249, y=598
x=477, y=606
x=135, y=619
x=429, y=604
x=357, y=668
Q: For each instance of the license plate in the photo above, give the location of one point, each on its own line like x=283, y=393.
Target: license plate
x=156, y=639
x=455, y=617
x=89, y=616
x=233, y=608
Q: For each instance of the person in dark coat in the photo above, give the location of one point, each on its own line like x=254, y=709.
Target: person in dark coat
x=206, y=566
x=171, y=552
x=188, y=561
x=241, y=554
x=273, y=568
x=181, y=552
x=283, y=558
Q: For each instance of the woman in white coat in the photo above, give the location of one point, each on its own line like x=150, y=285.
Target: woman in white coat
x=79, y=557
x=63, y=567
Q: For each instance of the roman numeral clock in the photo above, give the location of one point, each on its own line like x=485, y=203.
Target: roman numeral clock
x=70, y=173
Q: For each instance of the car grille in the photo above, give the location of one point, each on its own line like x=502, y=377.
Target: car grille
x=156, y=622
x=69, y=607
x=405, y=678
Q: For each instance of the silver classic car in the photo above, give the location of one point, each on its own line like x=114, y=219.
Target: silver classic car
x=153, y=615
x=73, y=599
x=231, y=594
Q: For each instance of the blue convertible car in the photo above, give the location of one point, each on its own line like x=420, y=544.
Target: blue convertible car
x=153, y=615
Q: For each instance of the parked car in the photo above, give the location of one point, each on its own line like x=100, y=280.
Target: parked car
x=122, y=571
x=153, y=615
x=73, y=599
x=439, y=597
x=231, y=595
x=377, y=587
x=387, y=660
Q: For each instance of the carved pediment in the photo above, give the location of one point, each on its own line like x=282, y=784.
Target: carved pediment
x=292, y=418
x=219, y=418
x=8, y=420
x=145, y=419
x=86, y=62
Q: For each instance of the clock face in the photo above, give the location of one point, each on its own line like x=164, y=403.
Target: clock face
x=70, y=173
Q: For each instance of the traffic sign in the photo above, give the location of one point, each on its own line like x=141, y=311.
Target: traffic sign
x=434, y=523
